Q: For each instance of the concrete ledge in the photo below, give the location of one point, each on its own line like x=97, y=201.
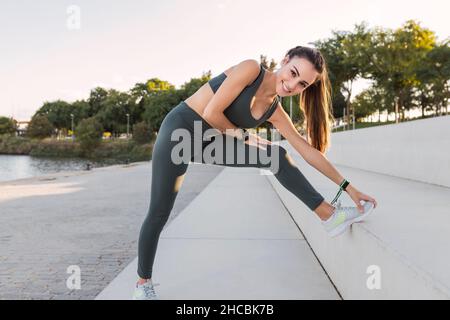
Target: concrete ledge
x=416, y=150
x=406, y=236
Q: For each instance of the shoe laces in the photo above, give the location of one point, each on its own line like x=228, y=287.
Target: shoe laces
x=149, y=288
x=339, y=207
x=349, y=211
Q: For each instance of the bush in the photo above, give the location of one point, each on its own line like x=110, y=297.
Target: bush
x=109, y=151
x=39, y=127
x=142, y=133
x=142, y=152
x=7, y=125
x=56, y=148
x=89, y=133
x=123, y=150
x=117, y=149
x=15, y=145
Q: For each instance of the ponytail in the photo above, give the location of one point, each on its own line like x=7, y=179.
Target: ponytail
x=315, y=102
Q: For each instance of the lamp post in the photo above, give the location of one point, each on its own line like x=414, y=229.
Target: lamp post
x=128, y=125
x=290, y=107
x=71, y=116
x=344, y=118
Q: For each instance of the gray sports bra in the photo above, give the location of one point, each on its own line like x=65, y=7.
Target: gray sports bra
x=238, y=112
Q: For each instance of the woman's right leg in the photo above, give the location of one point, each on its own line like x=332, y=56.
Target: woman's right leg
x=170, y=160
x=167, y=178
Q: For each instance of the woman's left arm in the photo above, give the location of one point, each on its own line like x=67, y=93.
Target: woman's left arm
x=312, y=156
x=316, y=159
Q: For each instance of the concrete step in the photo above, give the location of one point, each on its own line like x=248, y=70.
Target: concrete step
x=403, y=244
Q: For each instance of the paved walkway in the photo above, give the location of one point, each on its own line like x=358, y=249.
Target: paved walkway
x=85, y=218
x=234, y=241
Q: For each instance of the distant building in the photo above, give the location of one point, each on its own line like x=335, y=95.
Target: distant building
x=22, y=127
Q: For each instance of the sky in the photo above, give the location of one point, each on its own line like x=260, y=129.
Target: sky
x=59, y=49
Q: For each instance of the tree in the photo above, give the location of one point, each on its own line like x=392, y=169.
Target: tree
x=190, y=87
x=369, y=101
x=142, y=133
x=113, y=111
x=89, y=133
x=7, y=125
x=96, y=98
x=155, y=85
x=40, y=127
x=394, y=57
x=57, y=112
x=433, y=75
x=346, y=55
x=158, y=105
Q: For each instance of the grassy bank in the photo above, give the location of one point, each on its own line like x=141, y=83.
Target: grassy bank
x=114, y=150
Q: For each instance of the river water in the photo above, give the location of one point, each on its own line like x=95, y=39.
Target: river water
x=14, y=167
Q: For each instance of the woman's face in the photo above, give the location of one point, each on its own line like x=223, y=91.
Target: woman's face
x=295, y=76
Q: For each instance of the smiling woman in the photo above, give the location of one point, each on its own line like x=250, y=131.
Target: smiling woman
x=212, y=119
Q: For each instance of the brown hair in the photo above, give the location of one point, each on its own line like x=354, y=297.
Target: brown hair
x=315, y=100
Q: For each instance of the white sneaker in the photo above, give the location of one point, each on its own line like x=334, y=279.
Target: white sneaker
x=343, y=217
x=145, y=291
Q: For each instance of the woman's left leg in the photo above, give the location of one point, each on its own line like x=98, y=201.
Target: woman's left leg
x=229, y=151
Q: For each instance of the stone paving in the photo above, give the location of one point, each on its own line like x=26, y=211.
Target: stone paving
x=90, y=219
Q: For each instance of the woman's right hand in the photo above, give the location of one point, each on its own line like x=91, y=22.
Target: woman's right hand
x=357, y=196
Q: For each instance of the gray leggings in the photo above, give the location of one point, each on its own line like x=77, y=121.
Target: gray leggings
x=167, y=176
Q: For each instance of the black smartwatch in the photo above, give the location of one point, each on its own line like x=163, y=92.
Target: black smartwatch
x=344, y=184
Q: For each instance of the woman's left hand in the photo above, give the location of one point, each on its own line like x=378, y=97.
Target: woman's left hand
x=257, y=141
x=357, y=196
x=263, y=141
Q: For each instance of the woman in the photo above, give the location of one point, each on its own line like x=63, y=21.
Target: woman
x=244, y=96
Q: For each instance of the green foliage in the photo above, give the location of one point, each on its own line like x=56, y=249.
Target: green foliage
x=96, y=101
x=89, y=133
x=56, y=112
x=142, y=133
x=395, y=56
x=190, y=87
x=10, y=144
x=112, y=151
x=155, y=85
x=157, y=106
x=407, y=67
x=368, y=102
x=122, y=150
x=346, y=56
x=114, y=110
x=59, y=113
x=39, y=127
x=433, y=76
x=56, y=148
x=142, y=152
x=7, y=125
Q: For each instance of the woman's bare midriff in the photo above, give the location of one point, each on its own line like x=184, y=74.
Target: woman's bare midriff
x=200, y=99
